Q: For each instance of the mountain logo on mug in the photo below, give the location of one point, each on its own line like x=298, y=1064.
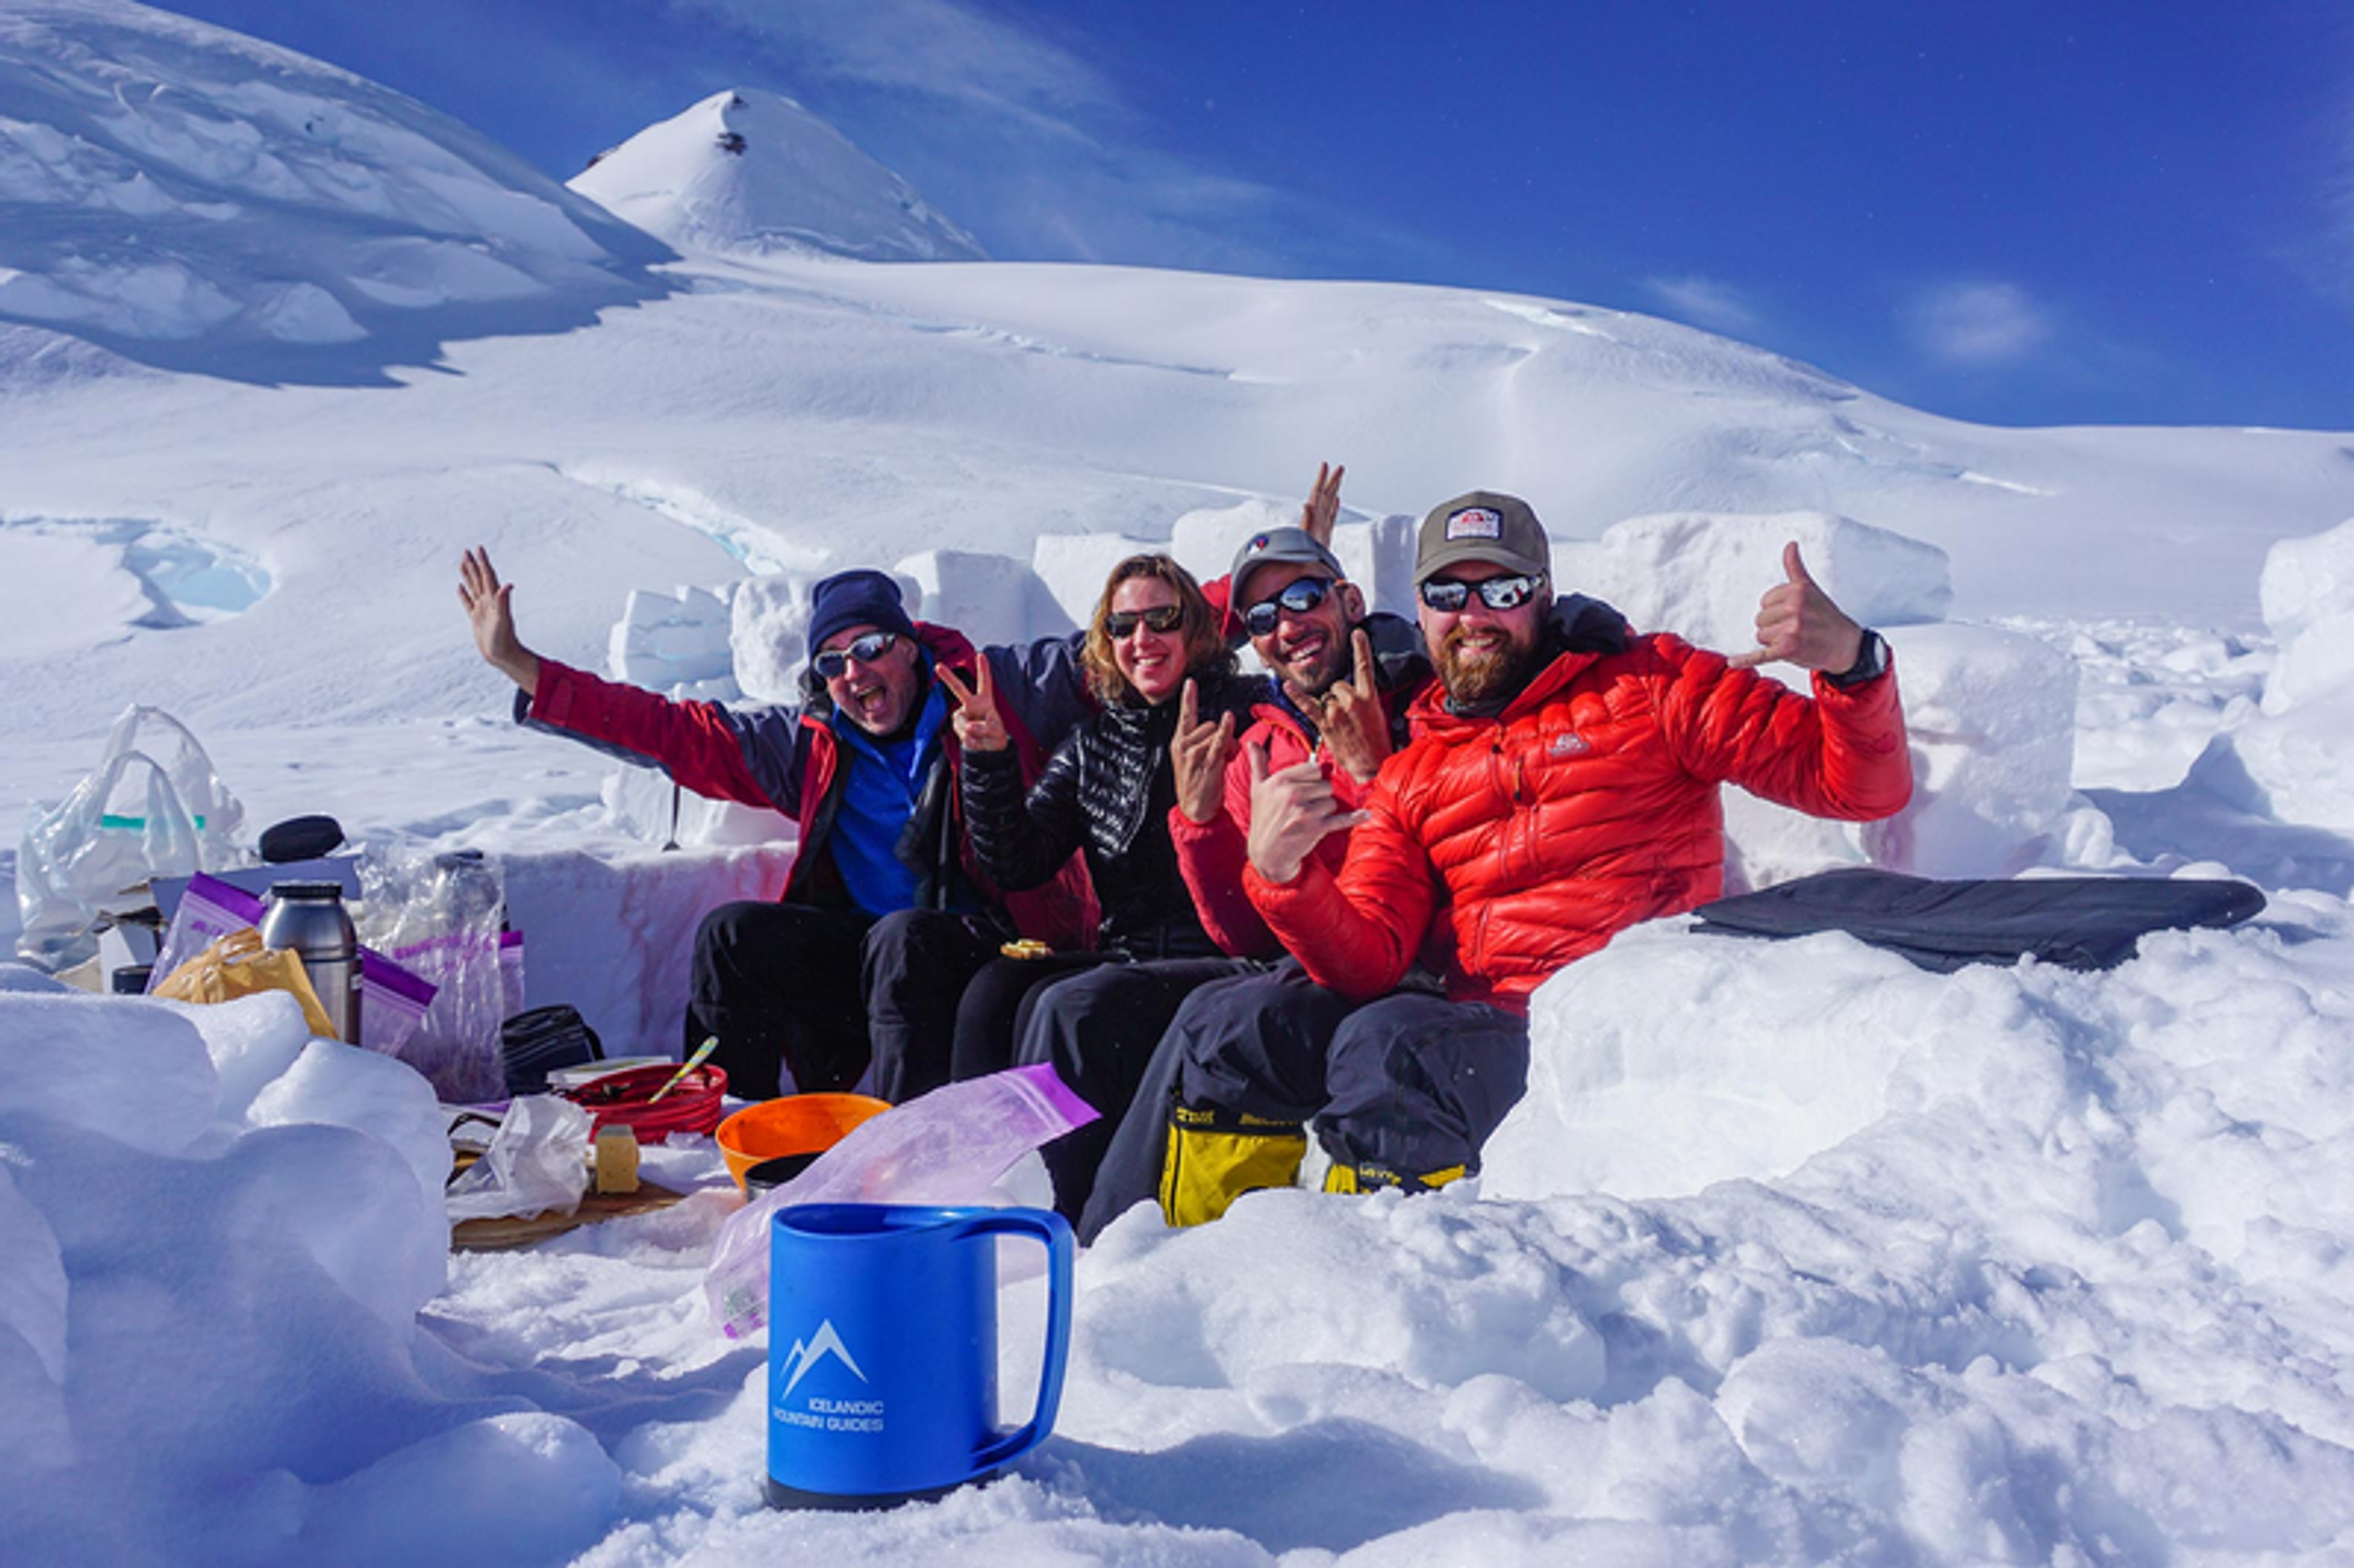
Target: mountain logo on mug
x=824, y=1343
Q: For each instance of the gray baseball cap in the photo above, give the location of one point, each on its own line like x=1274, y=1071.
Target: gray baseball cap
x=1277, y=547
x=1485, y=525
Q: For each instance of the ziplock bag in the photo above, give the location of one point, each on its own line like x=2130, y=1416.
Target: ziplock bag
x=238, y=965
x=395, y=998
x=437, y=914
x=945, y=1147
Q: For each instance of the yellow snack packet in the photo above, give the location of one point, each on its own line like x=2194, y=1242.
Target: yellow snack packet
x=238, y=965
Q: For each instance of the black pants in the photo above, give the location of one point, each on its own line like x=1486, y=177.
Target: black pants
x=1291, y=1019
x=804, y=999
x=1401, y=1088
x=1099, y=1030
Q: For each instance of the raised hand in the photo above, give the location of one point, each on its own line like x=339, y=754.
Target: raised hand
x=1322, y=508
x=978, y=726
x=1348, y=715
x=1292, y=811
x=1798, y=621
x=1198, y=754
x=490, y=609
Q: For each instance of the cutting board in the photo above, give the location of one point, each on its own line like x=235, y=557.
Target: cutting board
x=522, y=1229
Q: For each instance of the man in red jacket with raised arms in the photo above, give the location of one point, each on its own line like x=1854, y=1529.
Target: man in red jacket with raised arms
x=1552, y=797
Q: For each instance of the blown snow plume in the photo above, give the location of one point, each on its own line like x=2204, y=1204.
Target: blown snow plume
x=191, y=198
x=751, y=173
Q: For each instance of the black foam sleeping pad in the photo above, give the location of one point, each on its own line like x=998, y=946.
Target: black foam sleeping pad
x=2079, y=922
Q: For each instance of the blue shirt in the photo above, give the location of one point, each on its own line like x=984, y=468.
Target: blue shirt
x=882, y=781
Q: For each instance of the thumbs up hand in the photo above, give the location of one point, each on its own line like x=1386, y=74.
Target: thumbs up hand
x=1798, y=621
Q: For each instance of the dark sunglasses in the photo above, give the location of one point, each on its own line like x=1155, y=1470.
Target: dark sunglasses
x=834, y=662
x=1298, y=596
x=1447, y=596
x=1120, y=623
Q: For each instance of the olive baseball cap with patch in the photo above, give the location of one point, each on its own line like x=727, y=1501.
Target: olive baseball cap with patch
x=1485, y=525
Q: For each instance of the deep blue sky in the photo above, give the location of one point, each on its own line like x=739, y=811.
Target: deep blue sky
x=2016, y=211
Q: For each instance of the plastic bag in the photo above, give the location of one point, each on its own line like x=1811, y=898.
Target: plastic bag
x=437, y=914
x=538, y=1161
x=131, y=817
x=238, y=965
x=946, y=1147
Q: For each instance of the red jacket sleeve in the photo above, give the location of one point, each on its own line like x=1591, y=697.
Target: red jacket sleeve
x=1211, y=857
x=703, y=746
x=1841, y=754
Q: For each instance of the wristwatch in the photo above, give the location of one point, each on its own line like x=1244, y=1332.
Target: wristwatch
x=1871, y=663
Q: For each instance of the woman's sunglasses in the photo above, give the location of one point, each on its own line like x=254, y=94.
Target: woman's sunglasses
x=1447, y=596
x=1121, y=623
x=834, y=662
x=1298, y=596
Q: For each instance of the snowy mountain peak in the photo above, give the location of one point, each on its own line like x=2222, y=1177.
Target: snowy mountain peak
x=745, y=172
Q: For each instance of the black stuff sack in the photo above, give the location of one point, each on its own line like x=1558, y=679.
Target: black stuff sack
x=2078, y=921
x=535, y=1043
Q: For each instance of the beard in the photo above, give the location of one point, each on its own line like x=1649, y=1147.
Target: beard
x=1491, y=673
x=1331, y=662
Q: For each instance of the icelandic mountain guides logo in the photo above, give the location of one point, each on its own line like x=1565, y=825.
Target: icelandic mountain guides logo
x=1475, y=522
x=824, y=1343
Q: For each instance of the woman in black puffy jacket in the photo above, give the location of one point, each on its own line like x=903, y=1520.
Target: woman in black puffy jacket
x=1106, y=794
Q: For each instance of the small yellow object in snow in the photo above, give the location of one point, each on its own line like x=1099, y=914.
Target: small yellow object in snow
x=616, y=1159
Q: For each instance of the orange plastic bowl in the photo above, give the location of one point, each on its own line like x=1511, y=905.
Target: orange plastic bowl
x=795, y=1124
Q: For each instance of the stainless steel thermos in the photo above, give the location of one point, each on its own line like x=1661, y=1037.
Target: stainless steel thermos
x=310, y=918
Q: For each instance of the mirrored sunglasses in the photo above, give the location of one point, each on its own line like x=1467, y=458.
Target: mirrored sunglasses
x=1298, y=596
x=834, y=661
x=1447, y=596
x=1121, y=623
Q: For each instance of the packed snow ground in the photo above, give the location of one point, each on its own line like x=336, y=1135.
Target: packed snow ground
x=1794, y=1253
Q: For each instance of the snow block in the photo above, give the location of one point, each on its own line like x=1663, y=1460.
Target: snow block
x=1378, y=555
x=664, y=642
x=614, y=934
x=990, y=598
x=1700, y=574
x=2294, y=767
x=2306, y=581
x=640, y=800
x=1074, y=567
x=2308, y=595
x=1205, y=540
x=1991, y=718
x=769, y=636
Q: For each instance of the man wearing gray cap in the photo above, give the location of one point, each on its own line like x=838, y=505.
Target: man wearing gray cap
x=1559, y=789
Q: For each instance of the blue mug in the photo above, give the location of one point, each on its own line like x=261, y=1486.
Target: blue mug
x=883, y=1350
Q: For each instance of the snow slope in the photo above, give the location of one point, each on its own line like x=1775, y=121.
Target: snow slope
x=199, y=200
x=1793, y=1254
x=746, y=172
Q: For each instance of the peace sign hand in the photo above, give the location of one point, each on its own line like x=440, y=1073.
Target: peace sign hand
x=978, y=726
x=1349, y=715
x=1798, y=621
x=1198, y=755
x=1322, y=508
